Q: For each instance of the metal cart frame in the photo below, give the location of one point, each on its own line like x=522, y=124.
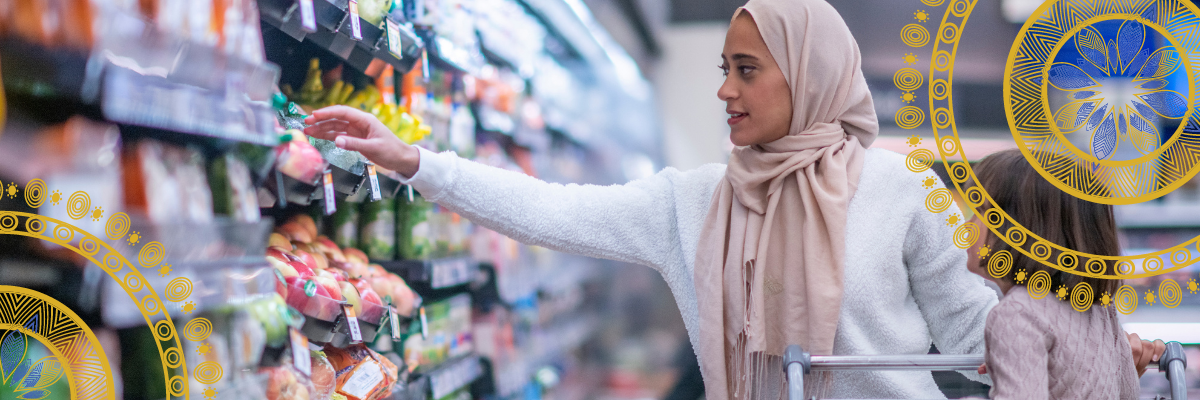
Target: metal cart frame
x=797, y=363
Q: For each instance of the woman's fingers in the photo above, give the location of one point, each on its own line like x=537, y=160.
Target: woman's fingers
x=1159, y=347
x=982, y=370
x=351, y=143
x=328, y=130
x=332, y=112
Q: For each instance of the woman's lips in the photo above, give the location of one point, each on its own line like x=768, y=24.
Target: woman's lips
x=734, y=118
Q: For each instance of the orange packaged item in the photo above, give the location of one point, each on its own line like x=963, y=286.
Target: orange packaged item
x=323, y=376
x=362, y=374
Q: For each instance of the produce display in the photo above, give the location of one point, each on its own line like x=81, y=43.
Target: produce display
x=319, y=275
x=326, y=88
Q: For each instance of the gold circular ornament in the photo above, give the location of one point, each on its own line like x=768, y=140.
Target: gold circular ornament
x=1035, y=77
x=1039, y=284
x=1081, y=297
x=1098, y=79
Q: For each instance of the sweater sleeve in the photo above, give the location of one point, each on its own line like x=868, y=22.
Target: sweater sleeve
x=954, y=302
x=1018, y=352
x=633, y=223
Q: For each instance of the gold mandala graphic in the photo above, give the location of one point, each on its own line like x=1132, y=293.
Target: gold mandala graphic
x=1036, y=70
x=42, y=318
x=77, y=354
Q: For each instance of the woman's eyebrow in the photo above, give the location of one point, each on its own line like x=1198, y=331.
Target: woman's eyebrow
x=741, y=56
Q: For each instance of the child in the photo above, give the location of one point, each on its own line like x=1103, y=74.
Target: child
x=1043, y=348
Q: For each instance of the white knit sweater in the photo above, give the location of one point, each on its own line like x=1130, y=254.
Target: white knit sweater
x=906, y=284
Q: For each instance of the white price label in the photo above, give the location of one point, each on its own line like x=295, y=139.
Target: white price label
x=393, y=36
x=300, y=357
x=395, y=322
x=308, y=16
x=352, y=321
x=330, y=206
x=355, y=29
x=366, y=376
x=450, y=273
x=376, y=195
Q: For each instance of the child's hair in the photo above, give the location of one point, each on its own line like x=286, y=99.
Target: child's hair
x=1051, y=214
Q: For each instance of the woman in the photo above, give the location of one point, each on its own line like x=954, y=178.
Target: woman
x=1043, y=348
x=807, y=237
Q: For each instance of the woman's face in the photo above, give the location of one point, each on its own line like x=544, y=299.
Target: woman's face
x=755, y=92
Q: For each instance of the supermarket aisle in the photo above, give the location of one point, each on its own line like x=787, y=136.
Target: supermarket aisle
x=154, y=160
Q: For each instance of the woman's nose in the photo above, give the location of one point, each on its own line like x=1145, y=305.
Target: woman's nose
x=727, y=92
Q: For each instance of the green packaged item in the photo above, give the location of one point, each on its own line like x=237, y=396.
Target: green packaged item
x=417, y=236
x=377, y=229
x=345, y=224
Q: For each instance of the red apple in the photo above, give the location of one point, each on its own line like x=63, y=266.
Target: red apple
x=354, y=255
x=351, y=295
x=382, y=286
x=277, y=239
x=295, y=232
x=306, y=222
x=284, y=268
x=360, y=284
x=307, y=259
x=338, y=274
x=296, y=263
x=328, y=286
x=375, y=270
x=369, y=295
x=330, y=248
x=356, y=270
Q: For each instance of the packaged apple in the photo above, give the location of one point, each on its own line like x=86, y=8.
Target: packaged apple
x=298, y=159
x=362, y=374
x=284, y=382
x=317, y=297
x=324, y=379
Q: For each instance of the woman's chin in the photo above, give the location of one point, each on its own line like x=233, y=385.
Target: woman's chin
x=742, y=138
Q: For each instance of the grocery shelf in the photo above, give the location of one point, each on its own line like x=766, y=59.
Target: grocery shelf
x=434, y=274
x=124, y=90
x=449, y=376
x=333, y=33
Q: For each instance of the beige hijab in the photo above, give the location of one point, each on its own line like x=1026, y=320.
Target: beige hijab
x=774, y=243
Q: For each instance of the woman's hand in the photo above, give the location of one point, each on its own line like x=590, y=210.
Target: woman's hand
x=355, y=130
x=1144, y=351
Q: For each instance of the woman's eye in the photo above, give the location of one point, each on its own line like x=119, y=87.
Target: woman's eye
x=724, y=70
x=745, y=70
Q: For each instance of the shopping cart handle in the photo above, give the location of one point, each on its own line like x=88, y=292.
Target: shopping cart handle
x=795, y=354
x=1174, y=362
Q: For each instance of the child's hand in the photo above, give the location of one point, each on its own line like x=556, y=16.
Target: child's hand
x=355, y=130
x=1144, y=351
x=982, y=369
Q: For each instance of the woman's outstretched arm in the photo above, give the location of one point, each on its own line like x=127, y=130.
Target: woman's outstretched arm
x=634, y=222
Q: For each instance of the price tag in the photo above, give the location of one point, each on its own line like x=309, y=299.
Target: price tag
x=410, y=194
x=300, y=357
x=308, y=16
x=395, y=322
x=363, y=381
x=376, y=195
x=355, y=29
x=393, y=35
x=330, y=206
x=424, y=324
x=352, y=321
